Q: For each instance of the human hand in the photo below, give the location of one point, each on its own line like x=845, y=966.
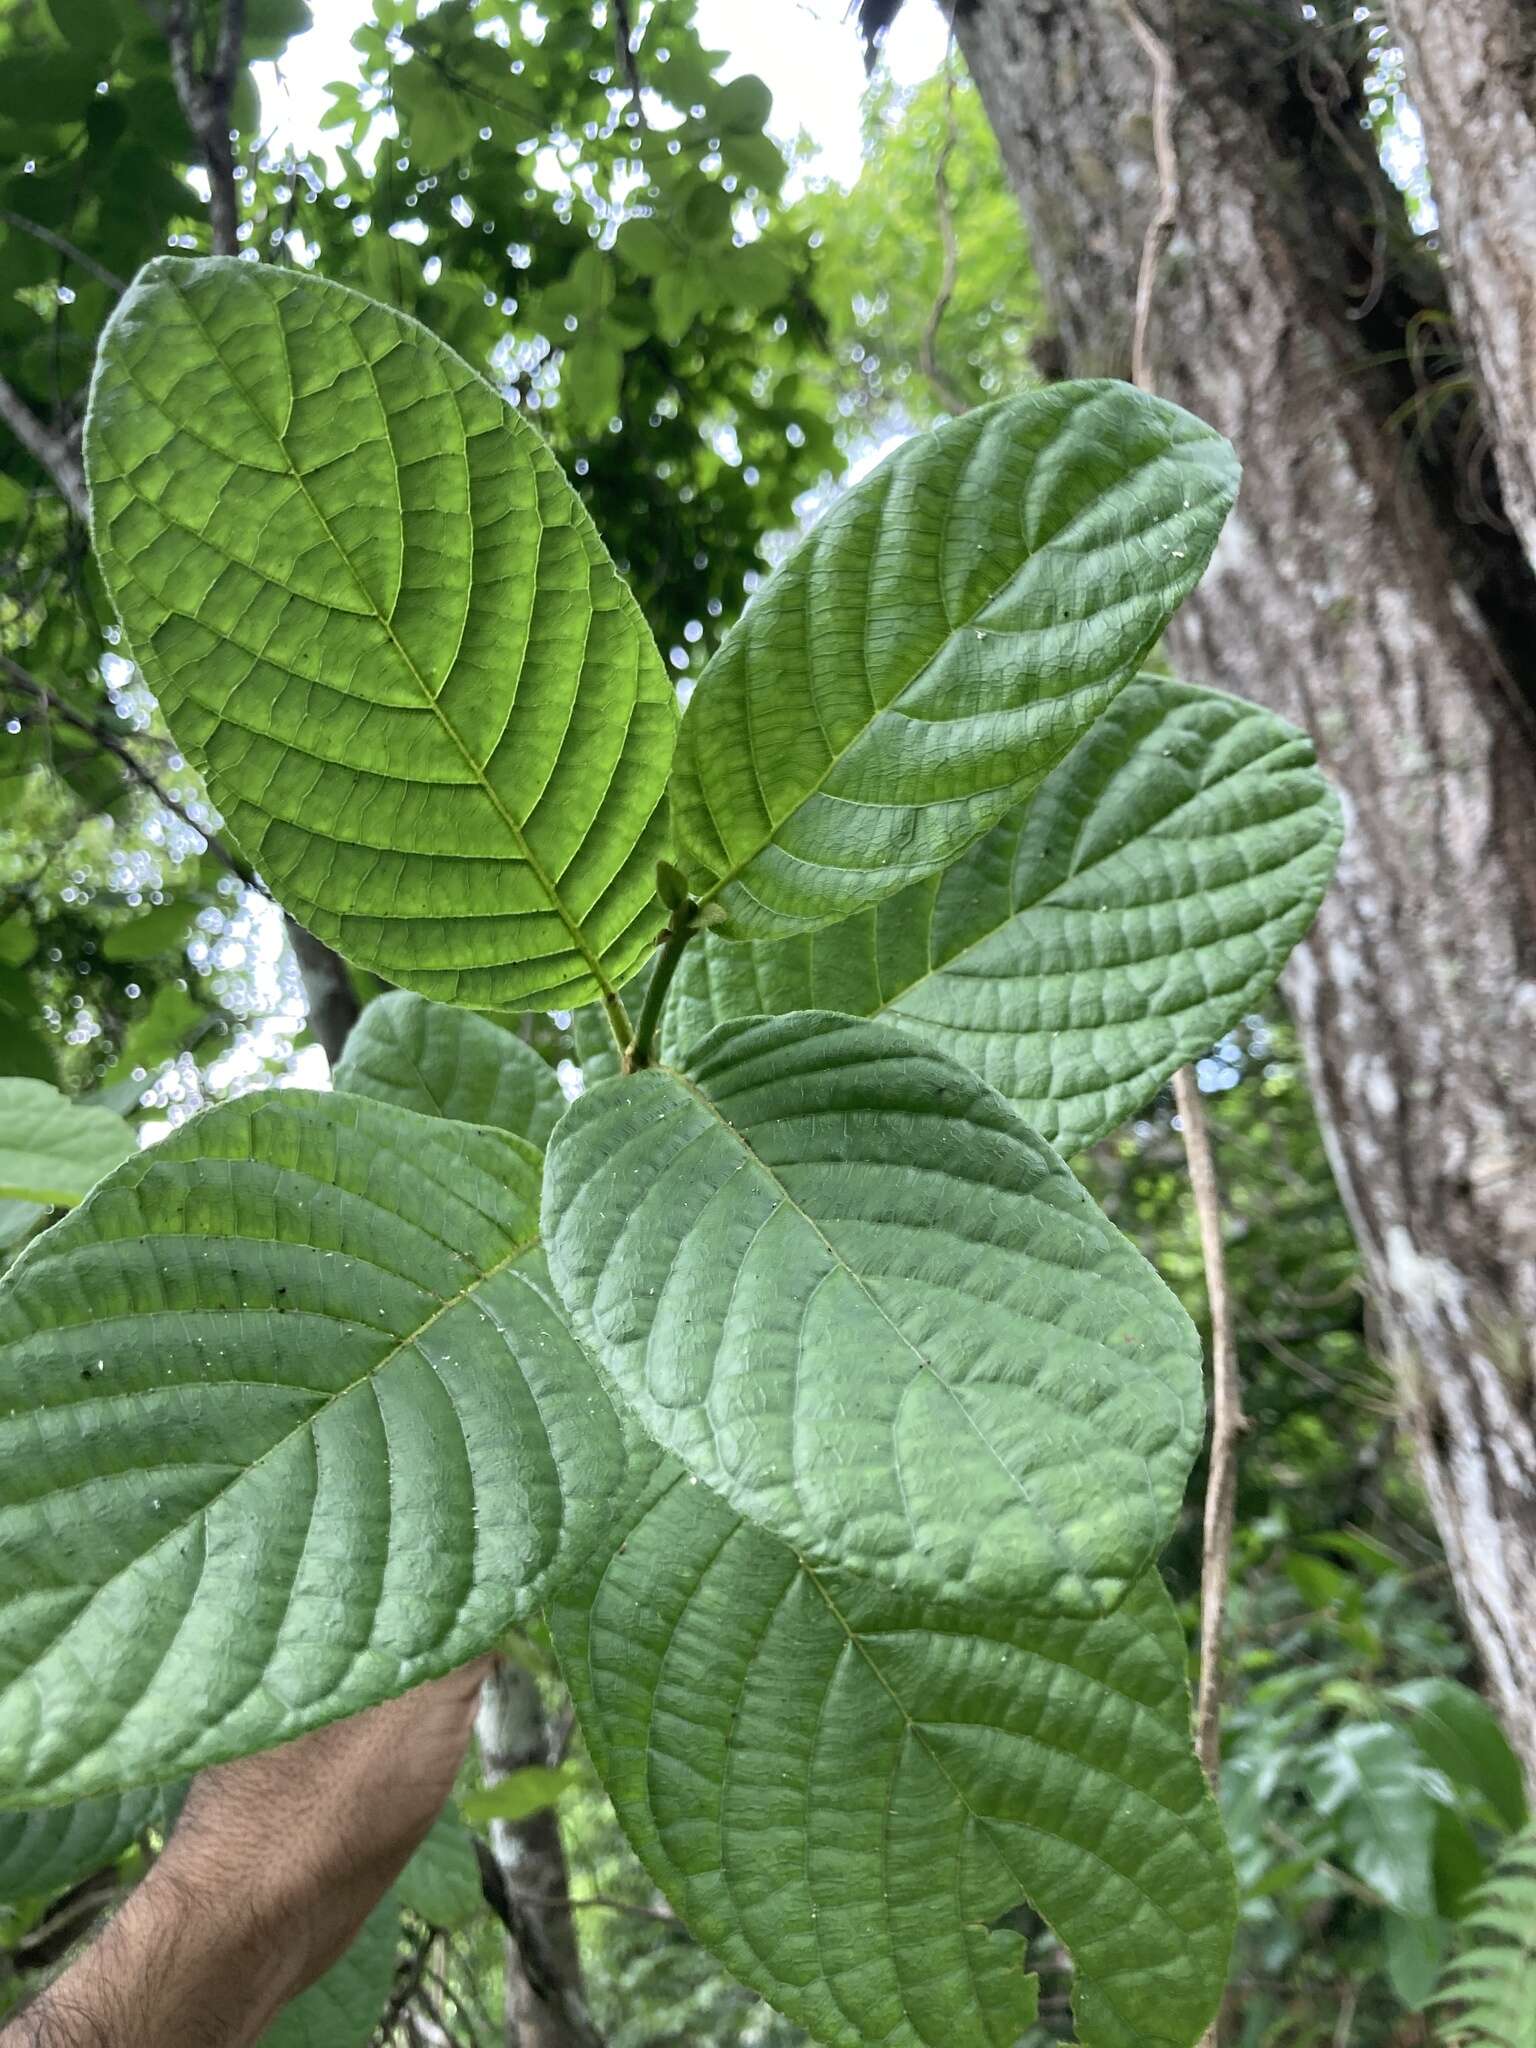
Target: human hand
x=273, y=1867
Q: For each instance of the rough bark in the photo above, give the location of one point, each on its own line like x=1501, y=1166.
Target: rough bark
x=545, y=2005
x=1472, y=73
x=1348, y=595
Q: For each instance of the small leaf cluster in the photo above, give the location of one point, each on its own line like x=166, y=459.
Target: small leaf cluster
x=789, y=1372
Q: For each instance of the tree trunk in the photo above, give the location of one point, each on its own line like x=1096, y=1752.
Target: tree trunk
x=545, y=2006
x=1472, y=73
x=328, y=990
x=1349, y=595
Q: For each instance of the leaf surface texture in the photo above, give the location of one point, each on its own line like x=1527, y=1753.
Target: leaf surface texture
x=842, y=1789
x=1106, y=931
x=937, y=644
x=835, y=1274
x=288, y=1421
x=377, y=614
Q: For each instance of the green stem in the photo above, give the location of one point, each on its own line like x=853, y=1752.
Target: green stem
x=682, y=928
x=618, y=1020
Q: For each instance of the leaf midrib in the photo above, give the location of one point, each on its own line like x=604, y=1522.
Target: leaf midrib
x=302, y=1427
x=892, y=703
x=1070, y=1570
x=1018, y=910
x=578, y=937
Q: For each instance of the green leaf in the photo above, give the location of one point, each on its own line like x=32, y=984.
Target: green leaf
x=163, y=929
x=1459, y=1734
x=293, y=1423
x=342, y=2009
x=1369, y=1778
x=53, y=1150
x=834, y=1274
x=842, y=1790
x=520, y=1793
x=441, y=1883
x=18, y=939
x=1415, y=1950
x=450, y=1063
x=377, y=615
x=47, y=1852
x=937, y=645
x=1105, y=932
x=591, y=374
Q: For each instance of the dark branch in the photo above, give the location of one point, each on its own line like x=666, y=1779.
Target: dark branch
x=58, y=454
x=206, y=100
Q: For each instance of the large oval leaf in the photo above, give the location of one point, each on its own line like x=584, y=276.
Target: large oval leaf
x=835, y=1274
x=842, y=1790
x=288, y=1421
x=376, y=613
x=1108, y=930
x=445, y=1062
x=936, y=646
x=53, y=1151
x=46, y=1852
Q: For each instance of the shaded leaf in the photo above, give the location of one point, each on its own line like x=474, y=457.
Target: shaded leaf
x=1458, y=1732
x=1369, y=1777
x=450, y=1063
x=46, y=1852
x=377, y=614
x=834, y=1274
x=293, y=1424
x=441, y=1883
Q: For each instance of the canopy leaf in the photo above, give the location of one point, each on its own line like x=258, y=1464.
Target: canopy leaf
x=379, y=618
x=1106, y=931
x=834, y=1273
x=288, y=1421
x=937, y=644
x=842, y=1789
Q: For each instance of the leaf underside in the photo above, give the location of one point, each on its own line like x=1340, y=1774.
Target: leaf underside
x=289, y=1420
x=842, y=1789
x=936, y=645
x=376, y=613
x=834, y=1274
x=1106, y=931
x=45, y=1852
x=450, y=1063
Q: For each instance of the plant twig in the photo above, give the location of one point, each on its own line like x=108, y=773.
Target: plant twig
x=685, y=922
x=1166, y=214
x=58, y=453
x=624, y=47
x=1226, y=1420
x=113, y=743
x=927, y=352
x=64, y=247
x=206, y=98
